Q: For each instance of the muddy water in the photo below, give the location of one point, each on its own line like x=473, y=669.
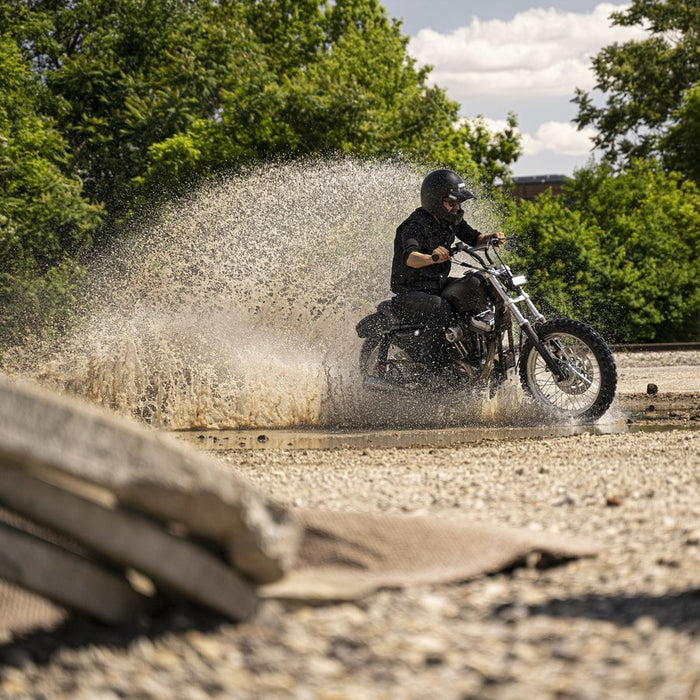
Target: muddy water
x=236, y=307
x=216, y=440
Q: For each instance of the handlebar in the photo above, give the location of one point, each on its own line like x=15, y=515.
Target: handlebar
x=460, y=247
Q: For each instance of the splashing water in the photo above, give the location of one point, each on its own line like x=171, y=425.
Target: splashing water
x=236, y=308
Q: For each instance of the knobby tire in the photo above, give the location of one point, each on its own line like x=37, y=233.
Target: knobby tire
x=591, y=356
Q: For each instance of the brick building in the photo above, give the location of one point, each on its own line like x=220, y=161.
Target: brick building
x=529, y=186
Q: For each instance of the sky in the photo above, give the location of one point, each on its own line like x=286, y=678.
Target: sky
x=524, y=56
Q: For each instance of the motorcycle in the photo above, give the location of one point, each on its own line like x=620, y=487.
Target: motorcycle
x=564, y=365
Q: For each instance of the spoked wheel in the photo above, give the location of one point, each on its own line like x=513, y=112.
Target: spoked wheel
x=591, y=376
x=396, y=368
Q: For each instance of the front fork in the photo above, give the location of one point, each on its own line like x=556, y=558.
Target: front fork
x=527, y=328
x=557, y=370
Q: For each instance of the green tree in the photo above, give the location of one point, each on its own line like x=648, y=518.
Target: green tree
x=651, y=247
x=131, y=74
x=620, y=251
x=44, y=221
x=483, y=155
x=560, y=253
x=342, y=83
x=646, y=83
x=680, y=146
x=291, y=32
x=151, y=96
x=361, y=93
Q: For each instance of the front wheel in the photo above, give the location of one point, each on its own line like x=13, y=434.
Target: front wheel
x=591, y=376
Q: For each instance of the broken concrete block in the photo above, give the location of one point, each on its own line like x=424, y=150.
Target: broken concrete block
x=148, y=471
x=130, y=540
x=67, y=579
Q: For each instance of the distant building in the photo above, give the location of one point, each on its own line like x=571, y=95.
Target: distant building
x=530, y=186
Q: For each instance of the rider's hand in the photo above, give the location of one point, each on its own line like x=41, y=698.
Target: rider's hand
x=499, y=236
x=441, y=254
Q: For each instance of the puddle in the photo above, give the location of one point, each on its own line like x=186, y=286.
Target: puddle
x=300, y=439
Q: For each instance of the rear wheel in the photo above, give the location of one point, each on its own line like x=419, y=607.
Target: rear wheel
x=591, y=375
x=395, y=367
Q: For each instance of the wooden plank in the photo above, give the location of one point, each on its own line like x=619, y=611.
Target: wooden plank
x=66, y=579
x=131, y=541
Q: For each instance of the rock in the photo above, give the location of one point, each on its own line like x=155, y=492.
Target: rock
x=692, y=537
x=652, y=389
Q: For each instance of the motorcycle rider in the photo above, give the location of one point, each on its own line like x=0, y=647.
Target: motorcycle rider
x=421, y=264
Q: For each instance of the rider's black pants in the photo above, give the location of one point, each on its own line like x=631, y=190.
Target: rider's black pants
x=433, y=313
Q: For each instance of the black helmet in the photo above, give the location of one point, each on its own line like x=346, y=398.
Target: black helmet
x=440, y=184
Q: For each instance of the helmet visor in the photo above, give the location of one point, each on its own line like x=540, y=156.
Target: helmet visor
x=460, y=193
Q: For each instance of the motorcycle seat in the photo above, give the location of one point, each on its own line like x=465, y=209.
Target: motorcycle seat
x=383, y=320
x=385, y=307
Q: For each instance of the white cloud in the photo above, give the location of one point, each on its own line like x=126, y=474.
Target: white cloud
x=537, y=53
x=557, y=137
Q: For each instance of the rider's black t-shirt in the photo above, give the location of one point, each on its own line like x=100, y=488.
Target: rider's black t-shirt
x=422, y=232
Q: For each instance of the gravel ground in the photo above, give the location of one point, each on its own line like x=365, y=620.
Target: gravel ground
x=677, y=372
x=625, y=624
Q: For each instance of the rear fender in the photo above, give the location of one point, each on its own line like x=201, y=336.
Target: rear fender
x=374, y=324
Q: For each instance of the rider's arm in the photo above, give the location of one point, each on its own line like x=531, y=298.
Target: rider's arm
x=416, y=259
x=469, y=235
x=414, y=238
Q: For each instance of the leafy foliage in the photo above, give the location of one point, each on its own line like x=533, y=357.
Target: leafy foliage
x=621, y=251
x=131, y=74
x=151, y=96
x=646, y=85
x=44, y=221
x=680, y=146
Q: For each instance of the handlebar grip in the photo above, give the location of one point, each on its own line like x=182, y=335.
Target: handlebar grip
x=459, y=246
